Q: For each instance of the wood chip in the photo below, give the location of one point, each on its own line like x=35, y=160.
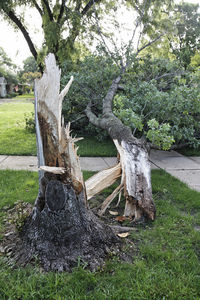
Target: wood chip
x=54, y=170
x=113, y=213
x=123, y=235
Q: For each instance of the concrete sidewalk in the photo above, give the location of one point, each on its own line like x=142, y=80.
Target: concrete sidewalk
x=187, y=169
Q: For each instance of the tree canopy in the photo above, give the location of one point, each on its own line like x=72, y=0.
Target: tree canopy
x=62, y=23
x=156, y=99
x=187, y=39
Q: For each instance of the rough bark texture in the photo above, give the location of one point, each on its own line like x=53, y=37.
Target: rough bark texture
x=137, y=180
x=64, y=232
x=134, y=159
x=61, y=229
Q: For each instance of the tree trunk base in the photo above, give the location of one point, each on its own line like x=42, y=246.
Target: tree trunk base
x=64, y=233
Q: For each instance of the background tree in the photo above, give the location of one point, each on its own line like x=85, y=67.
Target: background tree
x=30, y=65
x=29, y=73
x=183, y=38
x=7, y=67
x=187, y=39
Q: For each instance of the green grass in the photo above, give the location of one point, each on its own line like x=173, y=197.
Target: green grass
x=14, y=139
x=166, y=253
x=26, y=96
x=90, y=146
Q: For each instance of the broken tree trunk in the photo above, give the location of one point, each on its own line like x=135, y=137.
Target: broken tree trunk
x=61, y=229
x=134, y=159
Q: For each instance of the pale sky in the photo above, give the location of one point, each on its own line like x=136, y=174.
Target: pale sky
x=14, y=43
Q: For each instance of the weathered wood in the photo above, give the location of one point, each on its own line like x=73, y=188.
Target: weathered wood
x=137, y=180
x=109, y=199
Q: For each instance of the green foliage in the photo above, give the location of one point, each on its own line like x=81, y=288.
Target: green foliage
x=30, y=122
x=128, y=116
x=30, y=65
x=19, y=216
x=7, y=67
x=63, y=23
x=158, y=91
x=195, y=60
x=4, y=59
x=158, y=134
x=91, y=81
x=11, y=95
x=187, y=39
x=151, y=89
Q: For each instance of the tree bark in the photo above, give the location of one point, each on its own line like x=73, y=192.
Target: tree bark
x=61, y=229
x=134, y=158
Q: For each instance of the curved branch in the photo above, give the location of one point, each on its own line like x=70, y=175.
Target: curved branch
x=25, y=33
x=107, y=101
x=91, y=116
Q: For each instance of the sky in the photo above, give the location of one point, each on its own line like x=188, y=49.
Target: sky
x=14, y=43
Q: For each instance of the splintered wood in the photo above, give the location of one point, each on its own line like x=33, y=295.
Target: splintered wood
x=102, y=180
x=59, y=154
x=136, y=178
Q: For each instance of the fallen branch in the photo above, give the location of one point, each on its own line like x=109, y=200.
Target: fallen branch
x=102, y=180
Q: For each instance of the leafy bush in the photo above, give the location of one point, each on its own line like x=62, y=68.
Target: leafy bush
x=30, y=122
x=11, y=95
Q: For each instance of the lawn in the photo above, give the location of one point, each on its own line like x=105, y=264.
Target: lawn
x=26, y=96
x=15, y=140
x=165, y=260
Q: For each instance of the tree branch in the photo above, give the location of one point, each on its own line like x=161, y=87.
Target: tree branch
x=38, y=7
x=62, y=9
x=148, y=44
x=88, y=6
x=46, y=4
x=91, y=116
x=107, y=101
x=25, y=33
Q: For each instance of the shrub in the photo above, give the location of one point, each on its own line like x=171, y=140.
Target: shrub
x=30, y=122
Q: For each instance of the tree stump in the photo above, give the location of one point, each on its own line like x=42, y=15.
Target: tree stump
x=61, y=229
